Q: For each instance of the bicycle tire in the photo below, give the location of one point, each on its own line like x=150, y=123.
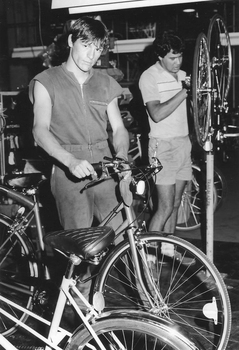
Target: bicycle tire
x=220, y=183
x=17, y=270
x=138, y=331
x=185, y=290
x=191, y=202
x=201, y=90
x=220, y=56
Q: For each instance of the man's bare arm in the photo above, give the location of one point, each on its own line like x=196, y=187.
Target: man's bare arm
x=120, y=134
x=159, y=111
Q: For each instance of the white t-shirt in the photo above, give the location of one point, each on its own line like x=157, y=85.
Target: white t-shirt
x=156, y=84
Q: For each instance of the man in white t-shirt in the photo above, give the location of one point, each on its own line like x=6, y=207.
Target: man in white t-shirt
x=165, y=97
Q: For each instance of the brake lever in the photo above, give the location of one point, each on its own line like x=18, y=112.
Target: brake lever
x=157, y=164
x=93, y=183
x=102, y=175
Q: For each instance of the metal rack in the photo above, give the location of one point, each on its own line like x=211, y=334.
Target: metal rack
x=2, y=128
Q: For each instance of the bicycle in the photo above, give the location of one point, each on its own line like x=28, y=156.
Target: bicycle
x=220, y=54
x=136, y=254
x=115, y=330
x=212, y=70
x=15, y=240
x=188, y=294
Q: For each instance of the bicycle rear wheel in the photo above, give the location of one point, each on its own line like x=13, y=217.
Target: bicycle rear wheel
x=17, y=270
x=220, y=58
x=136, y=331
x=186, y=287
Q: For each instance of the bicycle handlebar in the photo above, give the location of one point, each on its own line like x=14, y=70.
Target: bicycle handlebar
x=111, y=166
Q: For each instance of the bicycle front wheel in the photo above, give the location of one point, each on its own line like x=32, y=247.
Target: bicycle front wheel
x=127, y=330
x=201, y=90
x=183, y=285
x=17, y=270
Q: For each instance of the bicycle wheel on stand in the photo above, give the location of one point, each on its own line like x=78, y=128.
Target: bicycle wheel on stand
x=185, y=287
x=219, y=47
x=221, y=71
x=18, y=270
x=201, y=89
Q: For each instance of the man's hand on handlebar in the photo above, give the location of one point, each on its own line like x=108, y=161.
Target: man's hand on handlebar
x=81, y=168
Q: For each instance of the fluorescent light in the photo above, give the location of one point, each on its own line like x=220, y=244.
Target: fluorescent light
x=133, y=45
x=83, y=6
x=27, y=52
x=73, y=3
x=189, y=10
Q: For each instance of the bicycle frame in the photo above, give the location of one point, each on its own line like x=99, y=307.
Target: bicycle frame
x=130, y=225
x=24, y=221
x=136, y=151
x=56, y=334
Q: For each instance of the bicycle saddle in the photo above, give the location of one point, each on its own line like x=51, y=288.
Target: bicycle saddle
x=23, y=180
x=83, y=242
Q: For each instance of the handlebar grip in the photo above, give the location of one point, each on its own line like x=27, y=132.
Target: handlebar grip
x=108, y=159
x=98, y=168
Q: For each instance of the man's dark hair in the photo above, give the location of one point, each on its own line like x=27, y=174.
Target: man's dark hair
x=89, y=29
x=169, y=41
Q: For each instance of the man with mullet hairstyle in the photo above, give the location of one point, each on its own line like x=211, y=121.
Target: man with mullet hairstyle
x=72, y=105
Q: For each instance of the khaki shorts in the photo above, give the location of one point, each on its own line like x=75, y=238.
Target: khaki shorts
x=175, y=156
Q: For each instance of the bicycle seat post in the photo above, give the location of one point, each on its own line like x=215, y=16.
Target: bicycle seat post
x=34, y=193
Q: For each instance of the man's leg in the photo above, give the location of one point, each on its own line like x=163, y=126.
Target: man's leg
x=105, y=199
x=164, y=206
x=75, y=211
x=170, y=224
x=164, y=219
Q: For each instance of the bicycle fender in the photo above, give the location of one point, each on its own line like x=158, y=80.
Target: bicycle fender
x=170, y=328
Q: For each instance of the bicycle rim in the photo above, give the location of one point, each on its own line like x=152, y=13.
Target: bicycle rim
x=138, y=332
x=17, y=268
x=221, y=186
x=201, y=89
x=194, y=295
x=220, y=57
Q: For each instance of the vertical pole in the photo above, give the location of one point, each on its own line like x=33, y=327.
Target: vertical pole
x=209, y=200
x=2, y=146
